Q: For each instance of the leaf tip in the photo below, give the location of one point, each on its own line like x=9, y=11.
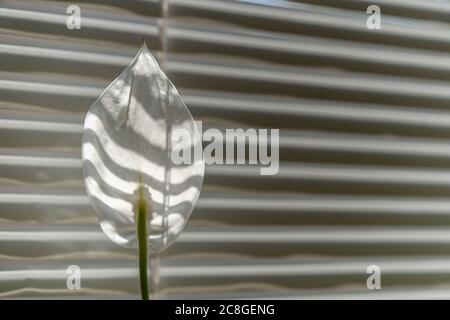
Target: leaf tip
x=143, y=43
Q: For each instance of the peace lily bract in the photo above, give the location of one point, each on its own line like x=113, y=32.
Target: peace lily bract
x=142, y=198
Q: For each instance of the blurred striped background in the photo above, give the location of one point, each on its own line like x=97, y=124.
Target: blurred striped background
x=364, y=146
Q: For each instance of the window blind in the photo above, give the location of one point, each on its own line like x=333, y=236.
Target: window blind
x=364, y=129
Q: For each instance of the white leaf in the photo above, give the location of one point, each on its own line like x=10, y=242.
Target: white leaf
x=130, y=134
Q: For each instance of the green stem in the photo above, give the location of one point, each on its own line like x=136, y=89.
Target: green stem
x=142, y=239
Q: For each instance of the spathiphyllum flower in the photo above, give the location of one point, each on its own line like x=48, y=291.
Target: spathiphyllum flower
x=143, y=197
